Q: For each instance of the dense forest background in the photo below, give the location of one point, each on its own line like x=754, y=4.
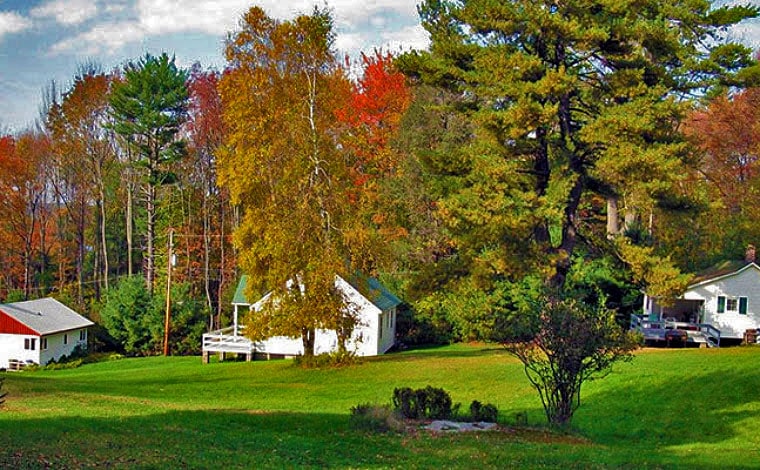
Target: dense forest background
x=522, y=150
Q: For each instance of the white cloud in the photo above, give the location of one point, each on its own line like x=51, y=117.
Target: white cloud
x=350, y=42
x=390, y=40
x=105, y=37
x=411, y=37
x=11, y=22
x=172, y=16
x=348, y=14
x=115, y=8
x=360, y=25
x=67, y=12
x=747, y=32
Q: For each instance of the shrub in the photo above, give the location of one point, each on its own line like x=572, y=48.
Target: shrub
x=130, y=319
x=481, y=412
x=568, y=343
x=428, y=402
x=375, y=418
x=134, y=318
x=63, y=364
x=405, y=402
x=438, y=403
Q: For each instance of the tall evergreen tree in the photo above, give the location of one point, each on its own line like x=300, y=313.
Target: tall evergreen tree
x=148, y=108
x=569, y=99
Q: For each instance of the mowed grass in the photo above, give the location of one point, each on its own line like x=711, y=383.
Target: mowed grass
x=666, y=409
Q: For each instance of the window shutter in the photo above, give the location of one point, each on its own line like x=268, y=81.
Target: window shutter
x=743, y=305
x=721, y=304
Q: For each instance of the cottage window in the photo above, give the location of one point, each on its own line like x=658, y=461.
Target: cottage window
x=82, y=335
x=43, y=344
x=65, y=339
x=733, y=304
x=30, y=344
x=380, y=330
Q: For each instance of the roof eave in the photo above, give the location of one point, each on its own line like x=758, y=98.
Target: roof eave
x=48, y=333
x=723, y=276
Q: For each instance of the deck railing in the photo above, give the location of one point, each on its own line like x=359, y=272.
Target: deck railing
x=655, y=329
x=225, y=340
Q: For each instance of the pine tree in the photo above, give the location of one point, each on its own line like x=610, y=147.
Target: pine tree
x=148, y=107
x=570, y=99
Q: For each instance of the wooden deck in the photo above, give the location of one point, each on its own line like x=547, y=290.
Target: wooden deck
x=697, y=333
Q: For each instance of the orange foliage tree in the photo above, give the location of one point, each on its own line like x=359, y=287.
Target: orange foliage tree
x=85, y=155
x=25, y=208
x=727, y=131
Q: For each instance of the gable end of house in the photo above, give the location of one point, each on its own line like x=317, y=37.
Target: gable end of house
x=11, y=326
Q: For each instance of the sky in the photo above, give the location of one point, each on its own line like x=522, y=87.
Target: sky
x=42, y=41
x=47, y=40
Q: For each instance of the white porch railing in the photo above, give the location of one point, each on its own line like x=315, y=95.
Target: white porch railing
x=225, y=340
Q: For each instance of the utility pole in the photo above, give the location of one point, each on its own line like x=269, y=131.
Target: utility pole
x=167, y=317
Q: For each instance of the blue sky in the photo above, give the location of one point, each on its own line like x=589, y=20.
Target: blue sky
x=46, y=40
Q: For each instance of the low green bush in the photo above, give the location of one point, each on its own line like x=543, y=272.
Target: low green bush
x=481, y=412
x=423, y=403
x=435, y=403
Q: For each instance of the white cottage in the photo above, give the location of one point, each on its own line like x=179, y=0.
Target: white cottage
x=39, y=331
x=725, y=298
x=374, y=335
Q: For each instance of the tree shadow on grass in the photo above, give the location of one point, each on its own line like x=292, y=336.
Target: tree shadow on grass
x=701, y=410
x=246, y=439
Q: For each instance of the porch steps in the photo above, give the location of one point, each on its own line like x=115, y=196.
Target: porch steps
x=701, y=338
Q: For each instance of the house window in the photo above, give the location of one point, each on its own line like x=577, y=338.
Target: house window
x=380, y=330
x=65, y=339
x=43, y=344
x=732, y=304
x=30, y=344
x=82, y=335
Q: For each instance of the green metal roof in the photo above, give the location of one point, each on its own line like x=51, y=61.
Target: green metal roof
x=375, y=292
x=369, y=287
x=240, y=297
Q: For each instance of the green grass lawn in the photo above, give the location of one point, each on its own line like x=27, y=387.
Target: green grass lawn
x=668, y=408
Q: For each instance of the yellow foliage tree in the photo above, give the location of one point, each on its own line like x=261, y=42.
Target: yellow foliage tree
x=283, y=165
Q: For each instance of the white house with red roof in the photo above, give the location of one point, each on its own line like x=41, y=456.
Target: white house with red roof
x=39, y=331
